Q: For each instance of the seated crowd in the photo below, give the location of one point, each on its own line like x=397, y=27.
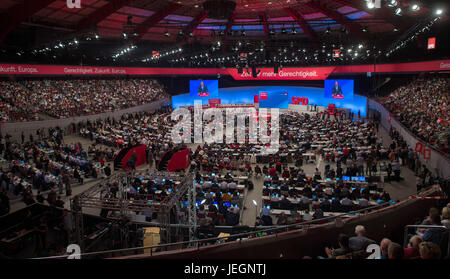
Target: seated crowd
x=424, y=243
x=47, y=164
x=26, y=100
x=348, y=148
x=422, y=106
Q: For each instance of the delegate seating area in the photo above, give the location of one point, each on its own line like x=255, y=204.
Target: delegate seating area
x=47, y=165
x=28, y=99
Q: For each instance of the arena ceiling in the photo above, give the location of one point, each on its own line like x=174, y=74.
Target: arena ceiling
x=34, y=25
x=165, y=20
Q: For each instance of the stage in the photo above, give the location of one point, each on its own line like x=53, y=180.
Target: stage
x=282, y=97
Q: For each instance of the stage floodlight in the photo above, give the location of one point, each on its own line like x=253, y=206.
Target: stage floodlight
x=415, y=7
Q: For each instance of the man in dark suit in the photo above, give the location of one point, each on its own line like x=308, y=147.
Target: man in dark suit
x=360, y=242
x=337, y=90
x=203, y=90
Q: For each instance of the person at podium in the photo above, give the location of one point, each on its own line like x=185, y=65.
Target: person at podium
x=203, y=90
x=337, y=91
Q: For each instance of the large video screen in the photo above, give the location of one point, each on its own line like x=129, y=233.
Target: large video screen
x=339, y=88
x=204, y=88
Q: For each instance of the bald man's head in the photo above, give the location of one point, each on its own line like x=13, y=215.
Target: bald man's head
x=415, y=241
x=384, y=245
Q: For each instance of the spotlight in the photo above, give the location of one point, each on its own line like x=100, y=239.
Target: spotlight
x=395, y=29
x=370, y=5
x=364, y=29
x=393, y=3
x=96, y=36
x=415, y=7
x=293, y=32
x=328, y=30
x=191, y=34
x=398, y=11
x=438, y=11
x=167, y=34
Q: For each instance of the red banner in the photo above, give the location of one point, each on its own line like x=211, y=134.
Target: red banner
x=317, y=73
x=432, y=43
x=214, y=102
x=304, y=73
x=336, y=53
x=256, y=99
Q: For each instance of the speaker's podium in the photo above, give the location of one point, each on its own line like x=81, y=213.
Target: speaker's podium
x=331, y=108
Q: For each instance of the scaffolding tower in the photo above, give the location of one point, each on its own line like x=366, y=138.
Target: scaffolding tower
x=95, y=197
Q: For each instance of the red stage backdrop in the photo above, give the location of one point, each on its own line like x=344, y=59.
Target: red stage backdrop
x=305, y=73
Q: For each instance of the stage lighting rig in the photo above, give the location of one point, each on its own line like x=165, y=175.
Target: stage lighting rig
x=219, y=9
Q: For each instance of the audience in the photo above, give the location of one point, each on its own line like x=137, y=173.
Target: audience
x=433, y=234
x=422, y=106
x=27, y=100
x=429, y=251
x=343, y=249
x=395, y=251
x=384, y=246
x=412, y=251
x=48, y=164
